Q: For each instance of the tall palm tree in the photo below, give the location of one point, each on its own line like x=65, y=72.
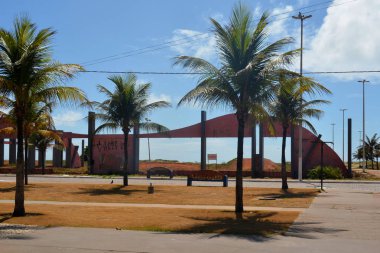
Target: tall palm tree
x=27, y=72
x=38, y=118
x=125, y=107
x=243, y=79
x=290, y=107
x=372, y=144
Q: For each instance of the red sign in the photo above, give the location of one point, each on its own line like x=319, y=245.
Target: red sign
x=212, y=157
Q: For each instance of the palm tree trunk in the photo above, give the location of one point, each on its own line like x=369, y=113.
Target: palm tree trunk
x=283, y=160
x=125, y=165
x=239, y=167
x=26, y=165
x=19, y=209
x=43, y=158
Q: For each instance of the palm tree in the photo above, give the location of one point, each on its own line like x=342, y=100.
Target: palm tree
x=359, y=153
x=38, y=118
x=243, y=80
x=290, y=108
x=27, y=72
x=372, y=144
x=377, y=155
x=125, y=108
x=42, y=134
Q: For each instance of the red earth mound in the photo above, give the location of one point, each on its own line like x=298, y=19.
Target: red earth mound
x=231, y=165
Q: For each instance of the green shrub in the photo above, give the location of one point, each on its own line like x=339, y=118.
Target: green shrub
x=328, y=173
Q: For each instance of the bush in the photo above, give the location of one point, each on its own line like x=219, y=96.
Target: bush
x=328, y=173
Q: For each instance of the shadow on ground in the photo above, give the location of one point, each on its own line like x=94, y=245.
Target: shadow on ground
x=310, y=230
x=8, y=189
x=254, y=226
x=288, y=195
x=16, y=231
x=116, y=190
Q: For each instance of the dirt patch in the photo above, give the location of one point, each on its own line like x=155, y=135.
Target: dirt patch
x=178, y=195
x=157, y=219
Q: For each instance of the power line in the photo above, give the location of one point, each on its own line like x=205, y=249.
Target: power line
x=342, y=72
x=198, y=73
x=91, y=62
x=170, y=43
x=141, y=51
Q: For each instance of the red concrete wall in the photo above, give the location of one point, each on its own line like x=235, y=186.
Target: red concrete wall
x=109, y=153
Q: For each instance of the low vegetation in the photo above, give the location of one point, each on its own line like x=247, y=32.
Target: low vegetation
x=328, y=173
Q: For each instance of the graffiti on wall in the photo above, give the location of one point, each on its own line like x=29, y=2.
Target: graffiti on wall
x=109, y=153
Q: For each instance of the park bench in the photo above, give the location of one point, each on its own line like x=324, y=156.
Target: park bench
x=207, y=175
x=159, y=171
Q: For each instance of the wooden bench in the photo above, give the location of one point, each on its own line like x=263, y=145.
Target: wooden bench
x=159, y=171
x=207, y=175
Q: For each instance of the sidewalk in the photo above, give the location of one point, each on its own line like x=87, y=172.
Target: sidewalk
x=209, y=207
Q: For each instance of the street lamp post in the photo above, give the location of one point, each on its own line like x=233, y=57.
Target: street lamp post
x=148, y=120
x=321, y=173
x=333, y=133
x=343, y=110
x=300, y=17
x=363, y=82
x=360, y=140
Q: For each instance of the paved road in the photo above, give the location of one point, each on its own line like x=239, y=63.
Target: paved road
x=337, y=221
x=370, y=186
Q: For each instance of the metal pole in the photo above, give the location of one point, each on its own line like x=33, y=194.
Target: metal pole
x=333, y=142
x=364, y=157
x=301, y=18
x=360, y=140
x=321, y=171
x=343, y=110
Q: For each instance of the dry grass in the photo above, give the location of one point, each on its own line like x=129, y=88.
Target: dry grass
x=159, y=219
x=179, y=195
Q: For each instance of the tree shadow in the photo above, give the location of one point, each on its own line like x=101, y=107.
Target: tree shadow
x=310, y=230
x=8, y=189
x=253, y=226
x=16, y=231
x=116, y=190
x=289, y=195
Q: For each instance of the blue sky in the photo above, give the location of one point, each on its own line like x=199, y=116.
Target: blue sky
x=341, y=35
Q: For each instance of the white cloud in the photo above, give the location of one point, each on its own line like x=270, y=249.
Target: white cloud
x=160, y=97
x=68, y=119
x=303, y=2
x=200, y=45
x=347, y=40
x=278, y=27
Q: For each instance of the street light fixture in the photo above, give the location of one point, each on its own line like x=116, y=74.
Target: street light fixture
x=148, y=120
x=300, y=17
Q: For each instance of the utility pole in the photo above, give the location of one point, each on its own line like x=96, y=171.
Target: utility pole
x=333, y=133
x=343, y=110
x=363, y=82
x=300, y=17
